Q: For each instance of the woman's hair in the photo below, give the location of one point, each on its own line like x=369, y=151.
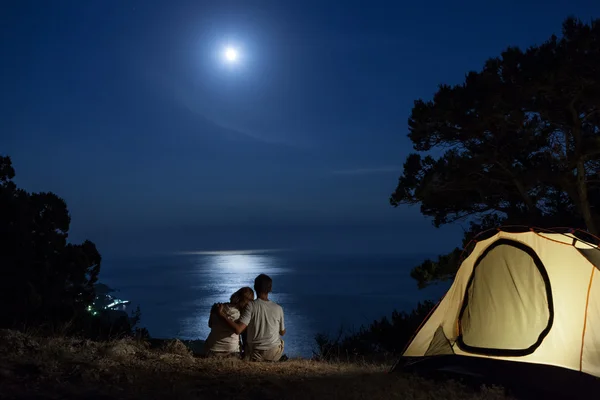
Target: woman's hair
x=242, y=297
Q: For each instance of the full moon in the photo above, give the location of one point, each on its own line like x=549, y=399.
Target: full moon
x=231, y=54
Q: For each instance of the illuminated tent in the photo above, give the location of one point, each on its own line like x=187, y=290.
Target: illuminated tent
x=528, y=296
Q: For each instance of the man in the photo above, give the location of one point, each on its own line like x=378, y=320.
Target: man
x=265, y=323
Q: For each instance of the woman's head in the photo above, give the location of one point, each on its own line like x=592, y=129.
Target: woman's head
x=242, y=297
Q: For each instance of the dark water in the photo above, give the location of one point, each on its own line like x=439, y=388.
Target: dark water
x=318, y=292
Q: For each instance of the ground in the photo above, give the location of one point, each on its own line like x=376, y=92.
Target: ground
x=53, y=368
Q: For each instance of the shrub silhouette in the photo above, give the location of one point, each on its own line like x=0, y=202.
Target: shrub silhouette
x=382, y=337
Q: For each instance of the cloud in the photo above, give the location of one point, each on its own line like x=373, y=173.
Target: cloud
x=368, y=171
x=191, y=99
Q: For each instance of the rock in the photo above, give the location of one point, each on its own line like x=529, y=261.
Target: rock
x=120, y=349
x=177, y=347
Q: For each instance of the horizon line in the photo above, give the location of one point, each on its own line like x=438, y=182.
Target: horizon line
x=229, y=252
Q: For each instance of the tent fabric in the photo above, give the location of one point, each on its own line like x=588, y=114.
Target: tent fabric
x=439, y=344
x=527, y=296
x=506, y=307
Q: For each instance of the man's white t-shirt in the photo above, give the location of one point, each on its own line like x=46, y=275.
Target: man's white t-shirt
x=264, y=320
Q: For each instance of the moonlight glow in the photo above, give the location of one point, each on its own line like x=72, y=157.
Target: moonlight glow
x=231, y=54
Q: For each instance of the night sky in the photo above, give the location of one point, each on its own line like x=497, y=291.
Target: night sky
x=125, y=109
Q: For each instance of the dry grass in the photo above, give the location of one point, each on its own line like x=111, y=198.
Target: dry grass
x=52, y=368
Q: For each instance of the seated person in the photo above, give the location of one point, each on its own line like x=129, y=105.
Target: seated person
x=265, y=322
x=224, y=341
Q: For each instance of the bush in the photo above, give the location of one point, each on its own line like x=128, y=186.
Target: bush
x=106, y=324
x=380, y=339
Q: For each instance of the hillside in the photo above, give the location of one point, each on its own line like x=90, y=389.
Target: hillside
x=52, y=368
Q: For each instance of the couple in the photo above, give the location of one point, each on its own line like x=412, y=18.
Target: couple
x=262, y=317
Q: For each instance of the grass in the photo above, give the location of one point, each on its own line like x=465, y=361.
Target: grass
x=59, y=367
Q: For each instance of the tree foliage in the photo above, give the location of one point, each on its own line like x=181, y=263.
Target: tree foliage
x=44, y=279
x=517, y=143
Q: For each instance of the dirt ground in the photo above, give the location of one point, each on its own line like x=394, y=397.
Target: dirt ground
x=63, y=368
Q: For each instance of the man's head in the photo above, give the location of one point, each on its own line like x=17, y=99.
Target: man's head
x=263, y=284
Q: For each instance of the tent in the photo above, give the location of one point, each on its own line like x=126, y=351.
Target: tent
x=531, y=297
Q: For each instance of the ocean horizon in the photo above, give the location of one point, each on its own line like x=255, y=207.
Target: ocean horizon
x=320, y=292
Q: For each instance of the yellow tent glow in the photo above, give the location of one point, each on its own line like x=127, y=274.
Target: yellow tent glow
x=529, y=296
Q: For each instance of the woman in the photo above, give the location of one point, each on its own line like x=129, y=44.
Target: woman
x=222, y=340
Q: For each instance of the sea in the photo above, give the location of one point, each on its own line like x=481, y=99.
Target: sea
x=319, y=292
